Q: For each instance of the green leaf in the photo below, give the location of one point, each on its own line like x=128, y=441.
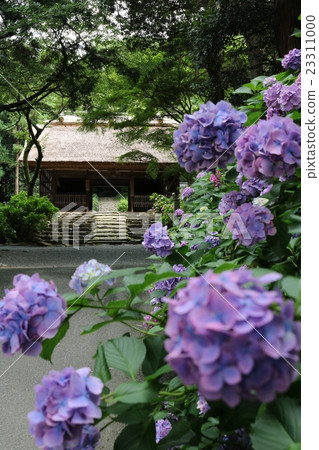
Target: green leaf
x=155, y=354
x=159, y=372
x=101, y=369
x=131, y=393
x=130, y=414
x=180, y=434
x=137, y=437
x=243, y=90
x=278, y=427
x=291, y=286
x=48, y=345
x=126, y=354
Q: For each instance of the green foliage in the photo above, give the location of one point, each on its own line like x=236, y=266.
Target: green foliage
x=278, y=426
x=164, y=205
x=122, y=205
x=95, y=202
x=25, y=217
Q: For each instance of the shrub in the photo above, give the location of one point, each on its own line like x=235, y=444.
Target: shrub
x=23, y=218
x=123, y=205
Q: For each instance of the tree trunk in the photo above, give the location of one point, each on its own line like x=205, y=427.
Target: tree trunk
x=286, y=19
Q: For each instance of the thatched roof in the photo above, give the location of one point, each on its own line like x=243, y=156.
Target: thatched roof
x=63, y=142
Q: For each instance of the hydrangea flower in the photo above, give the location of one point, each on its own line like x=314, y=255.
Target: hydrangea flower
x=271, y=96
x=290, y=97
x=179, y=212
x=30, y=312
x=269, y=81
x=215, y=178
x=170, y=284
x=183, y=243
x=200, y=175
x=212, y=340
x=271, y=148
x=65, y=403
x=212, y=239
x=202, y=405
x=292, y=60
x=89, y=439
x=157, y=240
x=87, y=272
x=187, y=192
x=255, y=187
x=205, y=139
x=298, y=80
x=231, y=200
x=251, y=224
x=163, y=427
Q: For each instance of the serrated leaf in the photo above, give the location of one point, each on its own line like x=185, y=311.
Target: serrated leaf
x=278, y=427
x=243, y=90
x=48, y=345
x=125, y=354
x=101, y=369
x=131, y=393
x=155, y=354
x=291, y=286
x=137, y=437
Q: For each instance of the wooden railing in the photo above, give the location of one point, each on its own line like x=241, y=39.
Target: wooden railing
x=62, y=200
x=142, y=202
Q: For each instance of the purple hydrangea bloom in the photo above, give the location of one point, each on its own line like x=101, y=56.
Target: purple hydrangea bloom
x=205, y=139
x=194, y=247
x=215, y=178
x=89, y=439
x=183, y=243
x=212, y=239
x=170, y=284
x=187, y=192
x=271, y=96
x=251, y=224
x=225, y=336
x=30, y=312
x=298, y=80
x=269, y=81
x=202, y=405
x=292, y=60
x=255, y=187
x=200, y=175
x=157, y=240
x=163, y=427
x=290, y=97
x=231, y=200
x=179, y=212
x=65, y=403
x=270, y=148
x=87, y=272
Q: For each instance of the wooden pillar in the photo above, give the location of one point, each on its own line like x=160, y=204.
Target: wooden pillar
x=88, y=193
x=131, y=194
x=53, y=187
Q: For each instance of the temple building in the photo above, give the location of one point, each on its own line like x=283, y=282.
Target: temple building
x=81, y=167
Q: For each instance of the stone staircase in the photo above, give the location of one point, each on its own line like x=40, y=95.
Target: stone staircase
x=87, y=228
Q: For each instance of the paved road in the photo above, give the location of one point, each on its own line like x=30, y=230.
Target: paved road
x=17, y=381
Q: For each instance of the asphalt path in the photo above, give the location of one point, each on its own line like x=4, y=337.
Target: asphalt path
x=19, y=374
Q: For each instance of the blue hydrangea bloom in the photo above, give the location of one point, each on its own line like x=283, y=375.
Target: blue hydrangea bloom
x=187, y=192
x=212, y=239
x=231, y=200
x=212, y=340
x=251, y=224
x=30, y=312
x=157, y=240
x=170, y=284
x=205, y=139
x=292, y=60
x=271, y=148
x=89, y=439
x=255, y=187
x=87, y=272
x=290, y=97
x=163, y=427
x=65, y=403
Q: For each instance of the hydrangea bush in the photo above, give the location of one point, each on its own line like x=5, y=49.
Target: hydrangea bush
x=215, y=358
